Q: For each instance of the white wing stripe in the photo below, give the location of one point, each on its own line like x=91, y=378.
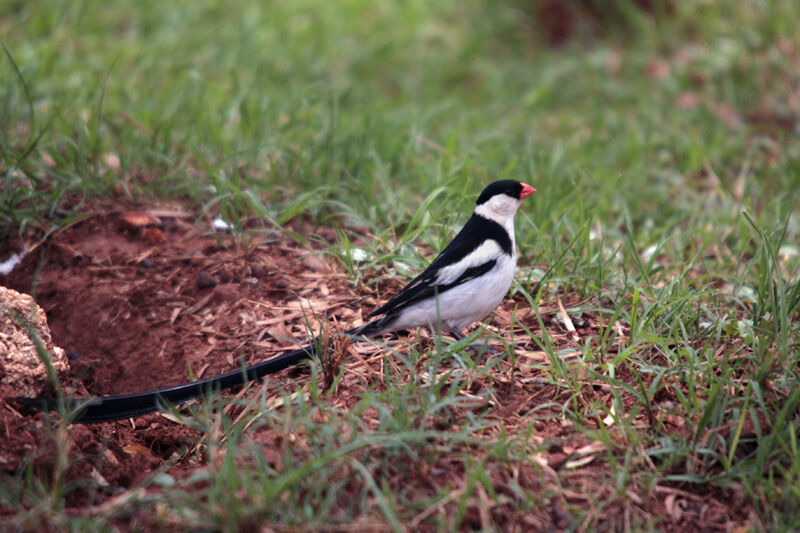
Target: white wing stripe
x=487, y=251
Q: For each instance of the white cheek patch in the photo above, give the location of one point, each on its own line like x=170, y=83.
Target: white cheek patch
x=486, y=212
x=499, y=208
x=484, y=253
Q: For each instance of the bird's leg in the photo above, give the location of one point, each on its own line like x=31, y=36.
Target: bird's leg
x=486, y=347
x=455, y=332
x=479, y=347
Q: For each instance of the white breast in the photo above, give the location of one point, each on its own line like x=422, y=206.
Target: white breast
x=466, y=303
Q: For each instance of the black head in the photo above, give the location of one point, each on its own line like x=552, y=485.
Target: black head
x=511, y=188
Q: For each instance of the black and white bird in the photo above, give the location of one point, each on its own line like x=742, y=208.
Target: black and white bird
x=469, y=278
x=465, y=282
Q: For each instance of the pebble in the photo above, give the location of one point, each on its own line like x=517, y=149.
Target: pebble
x=205, y=280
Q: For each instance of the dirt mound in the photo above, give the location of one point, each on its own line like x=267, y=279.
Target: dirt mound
x=145, y=299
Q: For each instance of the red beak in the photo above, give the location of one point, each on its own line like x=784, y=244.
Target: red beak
x=527, y=190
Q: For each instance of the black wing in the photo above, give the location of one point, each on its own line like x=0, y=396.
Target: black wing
x=477, y=230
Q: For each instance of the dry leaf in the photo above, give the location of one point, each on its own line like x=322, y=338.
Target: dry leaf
x=282, y=334
x=139, y=219
x=674, y=507
x=133, y=449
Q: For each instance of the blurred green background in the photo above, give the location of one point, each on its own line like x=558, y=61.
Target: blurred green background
x=375, y=104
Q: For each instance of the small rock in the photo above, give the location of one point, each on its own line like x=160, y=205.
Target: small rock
x=22, y=368
x=205, y=280
x=315, y=263
x=553, y=445
x=219, y=224
x=557, y=460
x=259, y=271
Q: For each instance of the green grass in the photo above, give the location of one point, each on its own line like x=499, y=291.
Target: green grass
x=667, y=203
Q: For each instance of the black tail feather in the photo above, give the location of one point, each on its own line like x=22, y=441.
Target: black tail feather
x=108, y=408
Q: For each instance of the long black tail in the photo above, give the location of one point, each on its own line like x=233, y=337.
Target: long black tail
x=109, y=408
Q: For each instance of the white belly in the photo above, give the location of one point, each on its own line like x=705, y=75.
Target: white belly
x=464, y=304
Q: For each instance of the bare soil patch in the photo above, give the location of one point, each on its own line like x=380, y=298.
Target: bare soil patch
x=143, y=304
